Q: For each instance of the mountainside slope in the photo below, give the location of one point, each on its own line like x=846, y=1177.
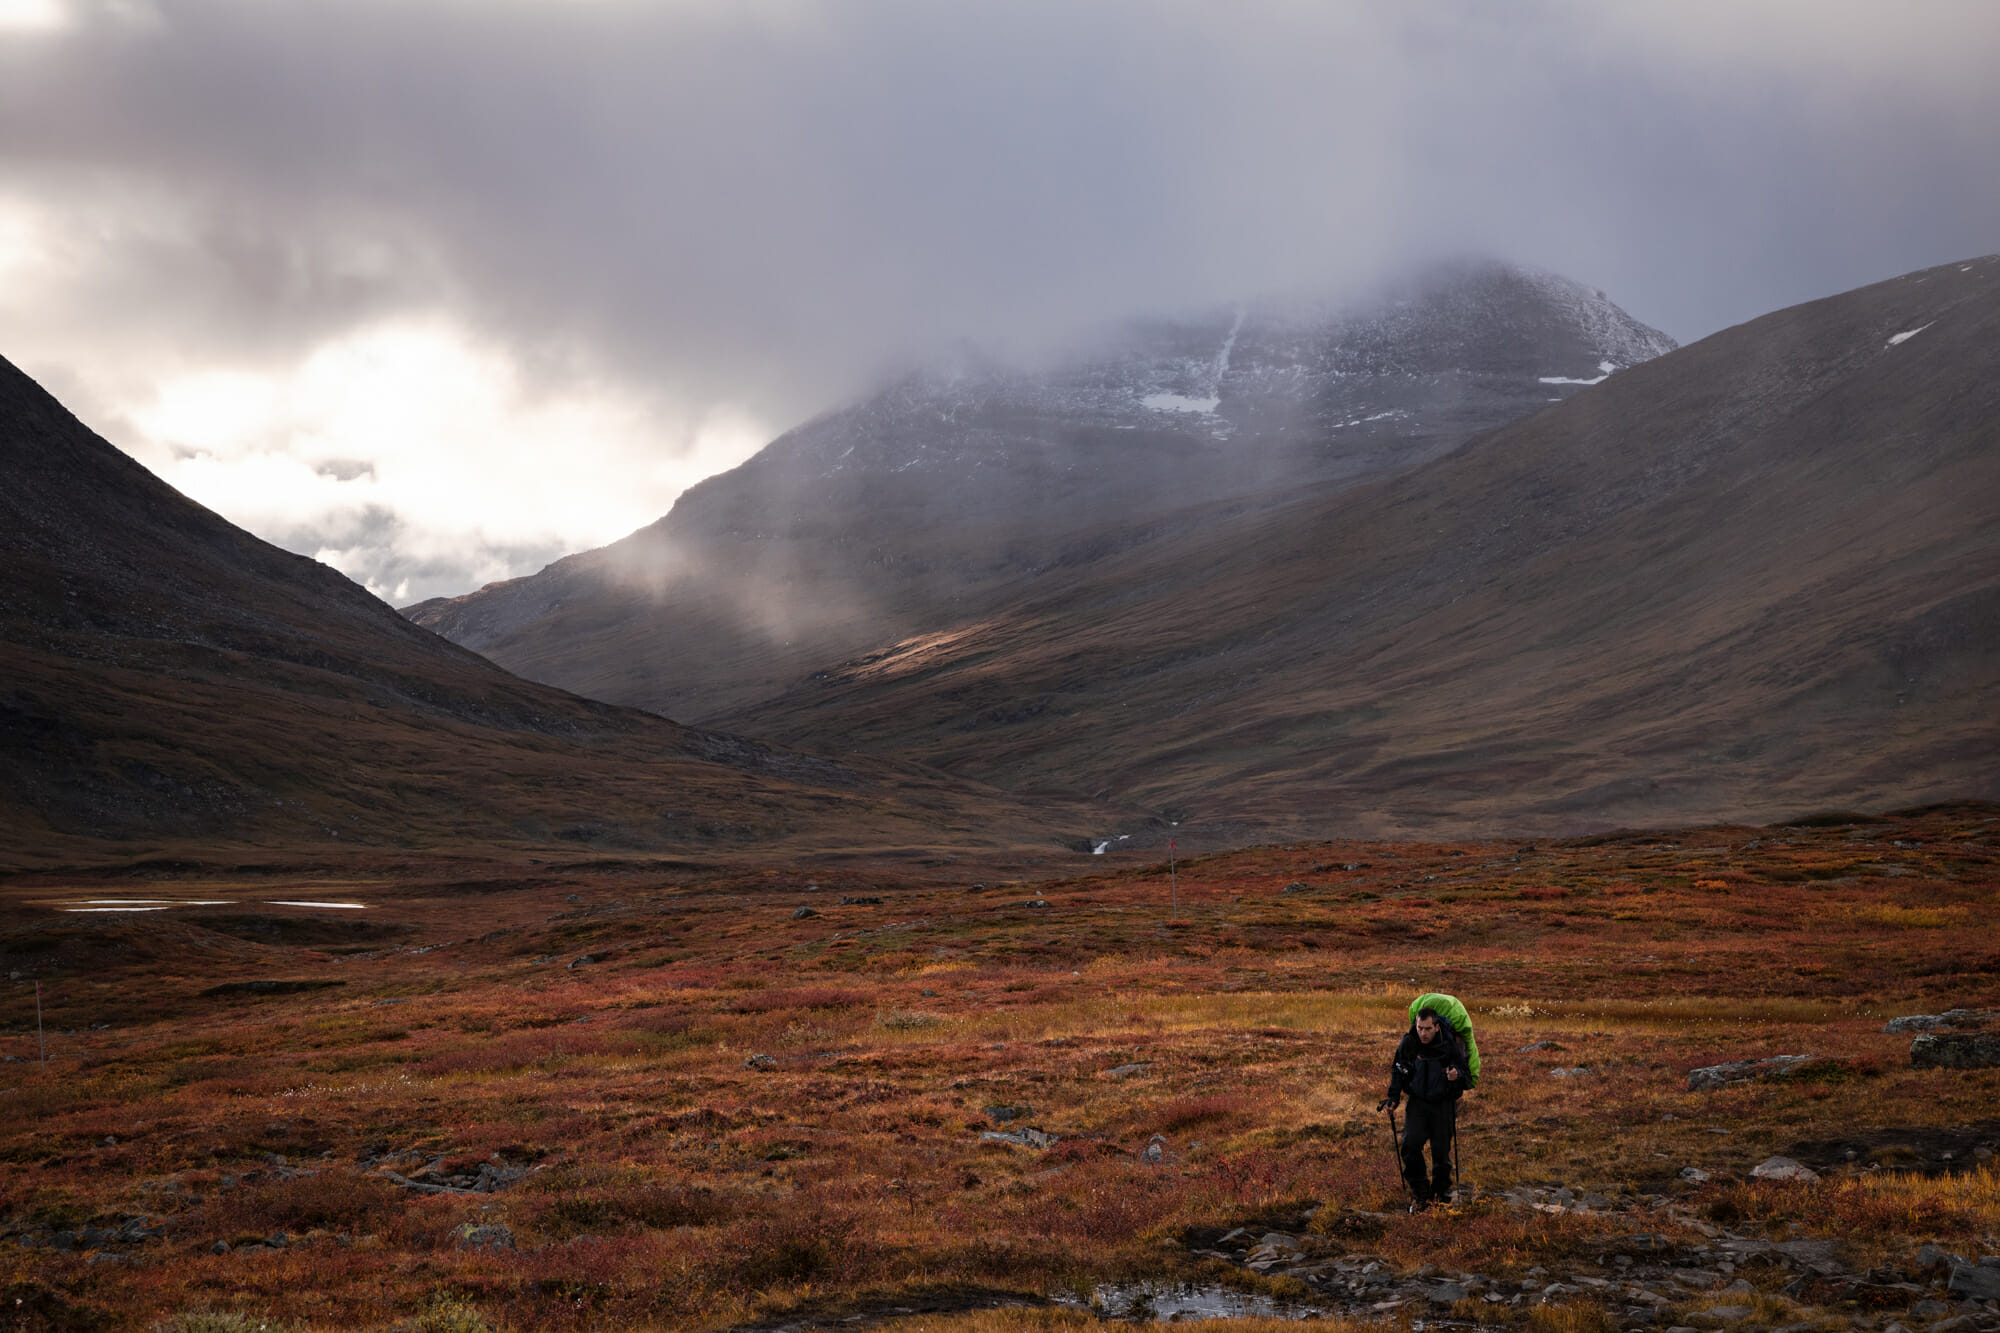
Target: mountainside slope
x=1757, y=575
x=165, y=677
x=973, y=486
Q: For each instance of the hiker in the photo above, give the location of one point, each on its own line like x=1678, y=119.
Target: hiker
x=1430, y=1066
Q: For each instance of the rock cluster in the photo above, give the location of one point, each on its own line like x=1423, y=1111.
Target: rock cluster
x=1738, y=1071
x=1954, y=1039
x=1641, y=1280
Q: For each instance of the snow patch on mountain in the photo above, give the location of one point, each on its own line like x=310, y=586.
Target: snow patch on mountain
x=1453, y=350
x=1173, y=402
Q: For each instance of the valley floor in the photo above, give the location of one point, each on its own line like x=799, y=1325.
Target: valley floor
x=644, y=1096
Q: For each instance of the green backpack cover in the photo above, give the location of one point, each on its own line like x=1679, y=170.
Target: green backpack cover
x=1461, y=1023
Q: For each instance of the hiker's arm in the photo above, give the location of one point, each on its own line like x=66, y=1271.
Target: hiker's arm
x=1399, y=1075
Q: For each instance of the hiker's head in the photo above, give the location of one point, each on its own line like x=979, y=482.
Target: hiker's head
x=1427, y=1026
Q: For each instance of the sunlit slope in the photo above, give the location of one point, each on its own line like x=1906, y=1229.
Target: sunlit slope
x=1759, y=574
x=169, y=681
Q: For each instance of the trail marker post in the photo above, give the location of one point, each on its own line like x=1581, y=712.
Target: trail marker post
x=1173, y=883
x=41, y=1038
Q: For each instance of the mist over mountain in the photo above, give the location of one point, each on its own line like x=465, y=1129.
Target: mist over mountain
x=1749, y=577
x=168, y=679
x=965, y=484
x=1753, y=577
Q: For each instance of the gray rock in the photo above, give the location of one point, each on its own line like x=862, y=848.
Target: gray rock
x=1956, y=1050
x=1127, y=1071
x=1446, y=1293
x=1950, y=1018
x=1023, y=1138
x=1931, y=1256
x=761, y=1061
x=1000, y=1115
x=803, y=913
x=1783, y=1168
x=1975, y=1282
x=1541, y=1046
x=1694, y=1175
x=471, y=1236
x=1816, y=1255
x=1964, y=1323
x=1711, y=1077
x=1577, y=1071
x=1725, y=1314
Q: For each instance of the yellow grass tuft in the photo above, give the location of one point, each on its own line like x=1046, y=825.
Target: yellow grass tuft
x=1918, y=918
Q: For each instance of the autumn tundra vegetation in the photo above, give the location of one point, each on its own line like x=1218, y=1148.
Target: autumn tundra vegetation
x=649, y=1094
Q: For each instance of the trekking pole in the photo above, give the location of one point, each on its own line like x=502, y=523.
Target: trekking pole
x=1457, y=1172
x=1396, y=1154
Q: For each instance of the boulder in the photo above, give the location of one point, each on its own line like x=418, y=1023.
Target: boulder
x=471, y=1236
x=1783, y=1168
x=1976, y=1282
x=1950, y=1018
x=1711, y=1077
x=1956, y=1050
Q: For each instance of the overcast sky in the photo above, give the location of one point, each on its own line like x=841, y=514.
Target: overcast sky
x=439, y=290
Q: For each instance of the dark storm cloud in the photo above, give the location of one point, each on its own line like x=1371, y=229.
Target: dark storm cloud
x=771, y=195
x=765, y=204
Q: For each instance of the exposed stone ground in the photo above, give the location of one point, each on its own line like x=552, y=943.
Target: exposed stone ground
x=1643, y=1280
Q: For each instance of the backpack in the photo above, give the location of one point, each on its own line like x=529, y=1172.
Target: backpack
x=1461, y=1023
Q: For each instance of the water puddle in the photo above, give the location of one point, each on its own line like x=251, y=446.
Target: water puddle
x=142, y=904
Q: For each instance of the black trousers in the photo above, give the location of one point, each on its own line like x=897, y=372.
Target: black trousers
x=1432, y=1123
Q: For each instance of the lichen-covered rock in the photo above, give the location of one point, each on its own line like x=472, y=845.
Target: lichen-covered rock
x=1950, y=1018
x=1956, y=1050
x=1716, y=1076
x=471, y=1236
x=1783, y=1168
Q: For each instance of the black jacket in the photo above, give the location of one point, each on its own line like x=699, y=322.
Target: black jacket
x=1420, y=1069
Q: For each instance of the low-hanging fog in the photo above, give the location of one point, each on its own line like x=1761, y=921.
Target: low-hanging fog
x=441, y=289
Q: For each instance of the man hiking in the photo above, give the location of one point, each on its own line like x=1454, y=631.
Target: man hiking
x=1430, y=1066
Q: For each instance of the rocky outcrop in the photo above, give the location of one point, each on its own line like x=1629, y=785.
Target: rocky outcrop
x=1956, y=1050
x=1953, y=1019
x=1739, y=1071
